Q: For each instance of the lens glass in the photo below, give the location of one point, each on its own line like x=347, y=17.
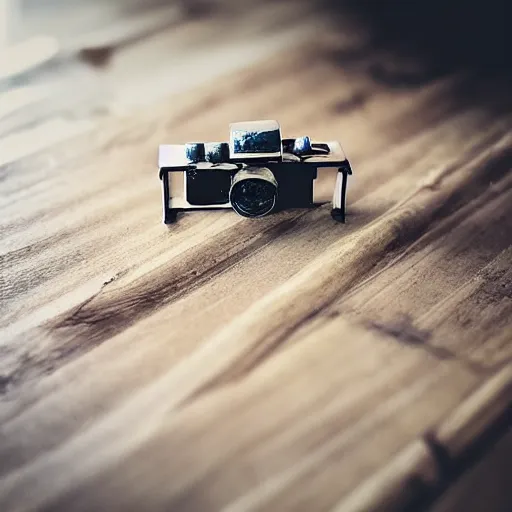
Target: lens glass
x=253, y=197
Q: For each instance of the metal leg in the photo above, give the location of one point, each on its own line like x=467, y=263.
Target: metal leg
x=170, y=215
x=338, y=210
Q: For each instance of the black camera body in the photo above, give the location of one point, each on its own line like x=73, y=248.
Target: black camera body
x=256, y=173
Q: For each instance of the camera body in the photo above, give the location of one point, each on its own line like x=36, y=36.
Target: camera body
x=255, y=173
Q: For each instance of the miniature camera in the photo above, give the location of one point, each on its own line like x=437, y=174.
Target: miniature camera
x=255, y=173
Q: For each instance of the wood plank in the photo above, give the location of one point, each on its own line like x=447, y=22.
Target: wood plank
x=470, y=314
x=428, y=466
x=267, y=455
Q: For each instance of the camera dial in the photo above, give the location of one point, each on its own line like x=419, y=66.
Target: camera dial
x=253, y=192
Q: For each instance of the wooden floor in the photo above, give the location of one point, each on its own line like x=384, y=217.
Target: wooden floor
x=286, y=363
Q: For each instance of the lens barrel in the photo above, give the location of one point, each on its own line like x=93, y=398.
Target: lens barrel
x=253, y=192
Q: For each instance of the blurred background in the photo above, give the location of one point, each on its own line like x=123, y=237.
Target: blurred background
x=115, y=49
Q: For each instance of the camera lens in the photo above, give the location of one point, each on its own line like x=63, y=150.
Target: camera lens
x=253, y=192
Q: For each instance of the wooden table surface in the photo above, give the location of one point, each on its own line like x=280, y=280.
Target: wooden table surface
x=286, y=363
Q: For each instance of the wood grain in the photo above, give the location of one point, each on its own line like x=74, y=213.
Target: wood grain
x=288, y=363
